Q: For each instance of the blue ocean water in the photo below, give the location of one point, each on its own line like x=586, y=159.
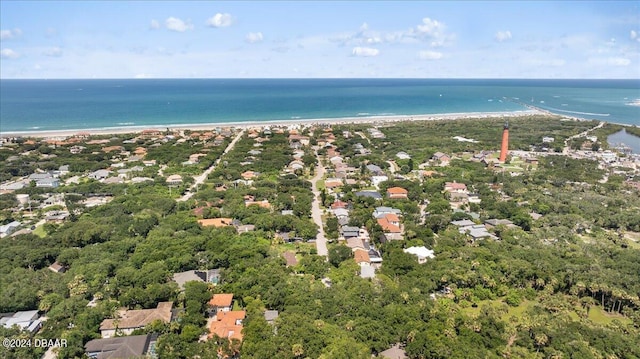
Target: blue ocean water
x=42, y=105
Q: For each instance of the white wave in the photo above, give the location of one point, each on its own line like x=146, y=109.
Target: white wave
x=126, y=123
x=35, y=127
x=581, y=113
x=635, y=102
x=295, y=117
x=363, y=114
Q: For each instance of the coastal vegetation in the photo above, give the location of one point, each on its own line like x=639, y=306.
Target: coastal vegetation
x=560, y=283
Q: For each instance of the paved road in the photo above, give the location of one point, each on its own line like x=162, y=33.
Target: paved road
x=566, y=148
x=203, y=177
x=316, y=212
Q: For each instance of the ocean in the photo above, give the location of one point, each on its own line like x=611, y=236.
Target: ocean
x=44, y=105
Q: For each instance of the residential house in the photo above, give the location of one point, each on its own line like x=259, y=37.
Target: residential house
x=349, y=232
x=339, y=204
x=361, y=256
x=370, y=194
x=403, y=155
x=375, y=170
x=227, y=324
x=442, y=158
x=134, y=346
x=270, y=316
x=9, y=228
x=378, y=212
x=423, y=253
x=221, y=302
x=455, y=187
x=57, y=267
x=332, y=183
x=547, y=139
x=390, y=223
x=174, y=180
x=397, y=193
x=24, y=320
x=48, y=183
x=395, y=352
x=204, y=276
x=57, y=217
x=245, y=228
x=367, y=272
x=130, y=320
x=99, y=174
x=247, y=175
x=216, y=222
x=290, y=258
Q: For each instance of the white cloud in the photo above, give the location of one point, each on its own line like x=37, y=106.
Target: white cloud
x=9, y=54
x=618, y=61
x=154, y=24
x=429, y=55
x=634, y=35
x=175, y=24
x=430, y=27
x=220, y=20
x=10, y=34
x=503, y=36
x=432, y=30
x=253, y=37
x=364, y=51
x=53, y=52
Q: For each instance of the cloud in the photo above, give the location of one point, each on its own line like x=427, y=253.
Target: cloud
x=53, y=52
x=253, y=37
x=429, y=55
x=220, y=20
x=633, y=35
x=175, y=24
x=9, y=54
x=503, y=36
x=618, y=61
x=10, y=34
x=364, y=51
x=154, y=24
x=432, y=30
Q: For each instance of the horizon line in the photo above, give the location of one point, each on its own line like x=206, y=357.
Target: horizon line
x=320, y=78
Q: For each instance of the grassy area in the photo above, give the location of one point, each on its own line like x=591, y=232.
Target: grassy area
x=39, y=231
x=599, y=316
x=596, y=314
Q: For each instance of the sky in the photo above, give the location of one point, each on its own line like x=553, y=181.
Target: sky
x=327, y=39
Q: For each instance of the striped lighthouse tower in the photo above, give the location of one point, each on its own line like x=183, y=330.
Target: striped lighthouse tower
x=504, y=149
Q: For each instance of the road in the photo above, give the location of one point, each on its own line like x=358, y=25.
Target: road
x=203, y=177
x=566, y=148
x=316, y=212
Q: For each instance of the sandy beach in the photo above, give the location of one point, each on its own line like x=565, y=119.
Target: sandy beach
x=375, y=120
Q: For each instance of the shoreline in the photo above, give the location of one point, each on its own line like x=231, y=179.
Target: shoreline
x=311, y=121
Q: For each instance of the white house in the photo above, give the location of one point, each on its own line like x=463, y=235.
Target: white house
x=423, y=253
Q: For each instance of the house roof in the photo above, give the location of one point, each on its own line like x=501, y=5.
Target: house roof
x=133, y=346
x=387, y=226
x=395, y=352
x=455, y=185
x=215, y=222
x=225, y=325
x=420, y=252
x=361, y=256
x=139, y=318
x=270, y=315
x=397, y=190
x=290, y=258
x=221, y=300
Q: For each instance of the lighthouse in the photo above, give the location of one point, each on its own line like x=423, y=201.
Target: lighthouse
x=504, y=149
